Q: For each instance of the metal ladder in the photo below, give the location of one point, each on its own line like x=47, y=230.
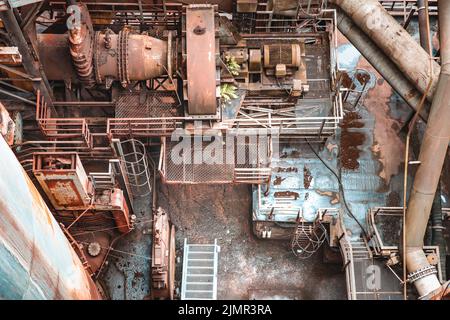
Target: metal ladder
x=200, y=271
x=360, y=250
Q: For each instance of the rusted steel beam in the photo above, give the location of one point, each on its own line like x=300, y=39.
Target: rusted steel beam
x=30, y=58
x=84, y=104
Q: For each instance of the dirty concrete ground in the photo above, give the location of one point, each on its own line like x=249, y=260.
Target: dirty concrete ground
x=127, y=276
x=203, y=213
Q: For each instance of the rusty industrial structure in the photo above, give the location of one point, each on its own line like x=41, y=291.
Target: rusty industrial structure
x=156, y=149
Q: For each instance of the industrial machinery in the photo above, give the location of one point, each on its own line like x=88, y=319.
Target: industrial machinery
x=104, y=102
x=163, y=256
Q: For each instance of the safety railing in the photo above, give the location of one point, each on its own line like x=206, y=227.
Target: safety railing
x=376, y=238
x=61, y=128
x=134, y=158
x=128, y=12
x=282, y=209
x=266, y=20
x=252, y=175
x=103, y=180
x=185, y=170
x=402, y=8
x=347, y=256
x=284, y=121
x=143, y=127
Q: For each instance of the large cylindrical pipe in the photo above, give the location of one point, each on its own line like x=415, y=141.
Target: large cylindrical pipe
x=129, y=57
x=432, y=155
x=37, y=260
x=393, y=40
x=380, y=62
x=140, y=57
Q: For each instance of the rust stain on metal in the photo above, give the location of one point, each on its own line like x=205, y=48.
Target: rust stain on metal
x=350, y=141
x=307, y=178
x=64, y=193
x=335, y=198
x=201, y=59
x=121, y=212
x=286, y=194
x=278, y=180
x=388, y=147
x=290, y=169
x=393, y=199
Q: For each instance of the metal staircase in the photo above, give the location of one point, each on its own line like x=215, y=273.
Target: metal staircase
x=367, y=277
x=360, y=250
x=200, y=263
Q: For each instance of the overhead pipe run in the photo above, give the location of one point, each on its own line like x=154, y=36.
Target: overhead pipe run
x=393, y=40
x=380, y=62
x=432, y=155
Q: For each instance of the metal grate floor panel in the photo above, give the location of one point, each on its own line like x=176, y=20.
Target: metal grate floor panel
x=153, y=104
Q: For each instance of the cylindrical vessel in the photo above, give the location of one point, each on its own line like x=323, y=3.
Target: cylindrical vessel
x=123, y=57
x=129, y=57
x=37, y=260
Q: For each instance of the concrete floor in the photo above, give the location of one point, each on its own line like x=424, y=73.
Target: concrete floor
x=248, y=267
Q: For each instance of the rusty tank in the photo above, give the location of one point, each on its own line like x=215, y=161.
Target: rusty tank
x=38, y=262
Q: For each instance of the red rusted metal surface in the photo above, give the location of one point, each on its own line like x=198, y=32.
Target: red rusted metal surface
x=54, y=54
x=63, y=179
x=120, y=211
x=201, y=59
x=139, y=57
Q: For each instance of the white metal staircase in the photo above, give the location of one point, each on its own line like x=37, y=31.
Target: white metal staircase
x=200, y=262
